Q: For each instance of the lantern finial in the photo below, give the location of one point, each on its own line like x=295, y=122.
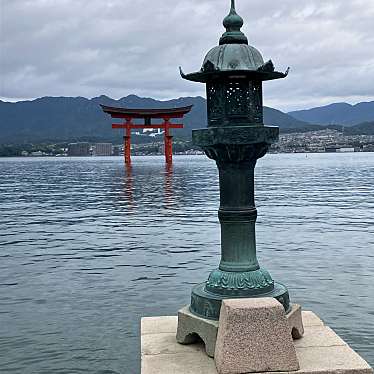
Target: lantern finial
x=232, y=5
x=233, y=23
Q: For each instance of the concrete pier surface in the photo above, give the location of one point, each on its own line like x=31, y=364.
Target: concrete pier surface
x=320, y=351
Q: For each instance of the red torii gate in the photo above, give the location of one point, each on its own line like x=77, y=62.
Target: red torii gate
x=147, y=114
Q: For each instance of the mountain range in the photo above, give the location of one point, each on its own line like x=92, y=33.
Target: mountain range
x=63, y=119
x=337, y=114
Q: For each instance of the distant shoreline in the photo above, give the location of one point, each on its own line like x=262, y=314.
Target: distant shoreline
x=175, y=155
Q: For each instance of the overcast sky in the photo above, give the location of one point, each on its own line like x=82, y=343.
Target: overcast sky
x=121, y=47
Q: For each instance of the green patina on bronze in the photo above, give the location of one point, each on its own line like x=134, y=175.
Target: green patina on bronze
x=235, y=138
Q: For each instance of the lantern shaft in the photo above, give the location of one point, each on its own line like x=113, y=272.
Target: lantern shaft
x=237, y=215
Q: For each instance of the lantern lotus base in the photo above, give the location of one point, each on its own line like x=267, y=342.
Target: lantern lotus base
x=239, y=283
x=207, y=305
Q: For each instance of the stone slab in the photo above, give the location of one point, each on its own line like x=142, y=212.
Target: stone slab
x=334, y=360
x=319, y=336
x=180, y=363
x=320, y=351
x=165, y=343
x=253, y=337
x=311, y=319
x=157, y=325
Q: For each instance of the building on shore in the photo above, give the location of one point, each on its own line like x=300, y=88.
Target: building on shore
x=346, y=150
x=78, y=149
x=331, y=149
x=103, y=149
x=36, y=154
x=117, y=151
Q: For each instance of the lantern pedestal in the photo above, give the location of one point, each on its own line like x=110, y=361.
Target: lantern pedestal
x=236, y=151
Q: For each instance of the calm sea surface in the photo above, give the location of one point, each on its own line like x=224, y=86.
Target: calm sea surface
x=88, y=247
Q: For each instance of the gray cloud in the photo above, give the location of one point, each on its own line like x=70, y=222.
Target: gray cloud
x=119, y=47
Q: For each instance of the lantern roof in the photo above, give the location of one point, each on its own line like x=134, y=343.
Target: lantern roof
x=234, y=55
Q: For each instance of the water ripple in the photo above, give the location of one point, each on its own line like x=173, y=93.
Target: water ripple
x=87, y=247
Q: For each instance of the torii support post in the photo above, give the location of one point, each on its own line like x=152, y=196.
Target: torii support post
x=127, y=142
x=168, y=142
x=147, y=115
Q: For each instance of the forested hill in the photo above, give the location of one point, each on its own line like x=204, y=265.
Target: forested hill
x=337, y=114
x=61, y=119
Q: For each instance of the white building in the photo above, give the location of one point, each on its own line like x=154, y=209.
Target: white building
x=36, y=154
x=345, y=150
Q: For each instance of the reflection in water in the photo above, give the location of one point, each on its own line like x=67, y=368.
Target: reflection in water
x=135, y=183
x=128, y=184
x=168, y=185
x=87, y=247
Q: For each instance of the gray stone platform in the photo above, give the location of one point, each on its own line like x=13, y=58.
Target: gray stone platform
x=320, y=351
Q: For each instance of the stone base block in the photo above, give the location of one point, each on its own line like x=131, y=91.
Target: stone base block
x=320, y=351
x=254, y=336
x=192, y=328
x=295, y=321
